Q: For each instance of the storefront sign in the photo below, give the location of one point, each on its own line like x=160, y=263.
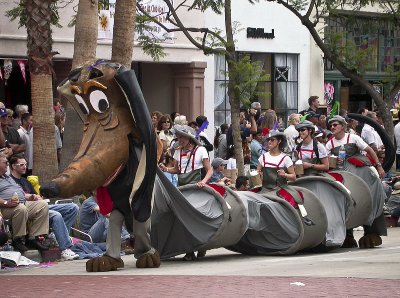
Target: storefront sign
x=156, y=8
x=259, y=33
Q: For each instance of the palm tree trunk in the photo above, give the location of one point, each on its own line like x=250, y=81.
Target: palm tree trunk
x=45, y=164
x=39, y=43
x=123, y=32
x=85, y=44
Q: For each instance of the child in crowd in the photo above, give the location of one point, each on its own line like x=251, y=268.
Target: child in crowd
x=218, y=165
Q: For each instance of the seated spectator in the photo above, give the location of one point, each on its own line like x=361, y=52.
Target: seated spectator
x=169, y=163
x=94, y=223
x=61, y=216
x=218, y=165
x=242, y=183
x=19, y=206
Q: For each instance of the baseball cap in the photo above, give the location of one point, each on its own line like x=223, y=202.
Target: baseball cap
x=218, y=161
x=3, y=112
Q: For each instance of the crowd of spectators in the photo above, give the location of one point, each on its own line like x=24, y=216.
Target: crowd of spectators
x=190, y=156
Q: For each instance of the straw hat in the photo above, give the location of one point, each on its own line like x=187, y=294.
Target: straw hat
x=186, y=131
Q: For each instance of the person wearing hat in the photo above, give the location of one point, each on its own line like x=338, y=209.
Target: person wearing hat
x=275, y=166
x=189, y=158
x=218, y=165
x=11, y=135
x=310, y=151
x=358, y=164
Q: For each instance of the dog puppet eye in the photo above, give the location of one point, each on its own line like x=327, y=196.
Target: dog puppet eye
x=99, y=101
x=82, y=104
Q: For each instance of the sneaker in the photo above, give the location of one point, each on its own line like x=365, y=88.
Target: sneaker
x=69, y=255
x=19, y=245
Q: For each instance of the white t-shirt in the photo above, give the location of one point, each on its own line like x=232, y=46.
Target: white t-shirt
x=307, y=151
x=231, y=164
x=371, y=136
x=397, y=136
x=291, y=133
x=199, y=155
x=353, y=139
x=273, y=161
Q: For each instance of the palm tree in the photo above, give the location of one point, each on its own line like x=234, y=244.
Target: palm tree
x=85, y=44
x=40, y=67
x=124, y=28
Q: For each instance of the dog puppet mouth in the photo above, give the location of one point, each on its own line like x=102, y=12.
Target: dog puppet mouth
x=112, y=177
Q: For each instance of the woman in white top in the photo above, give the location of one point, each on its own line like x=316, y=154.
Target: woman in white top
x=276, y=167
x=189, y=159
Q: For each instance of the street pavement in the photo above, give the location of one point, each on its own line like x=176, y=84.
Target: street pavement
x=339, y=273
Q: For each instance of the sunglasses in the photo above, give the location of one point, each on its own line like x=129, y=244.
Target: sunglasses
x=303, y=129
x=22, y=164
x=166, y=122
x=272, y=139
x=334, y=124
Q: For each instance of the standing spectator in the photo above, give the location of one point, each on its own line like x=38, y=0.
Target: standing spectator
x=220, y=143
x=313, y=103
x=290, y=132
x=166, y=135
x=256, y=149
x=59, y=120
x=11, y=135
x=19, y=110
x=397, y=137
x=174, y=115
x=370, y=135
x=181, y=120
x=155, y=117
x=269, y=119
x=202, y=123
x=25, y=132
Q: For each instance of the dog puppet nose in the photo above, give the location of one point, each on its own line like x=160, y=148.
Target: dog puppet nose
x=49, y=190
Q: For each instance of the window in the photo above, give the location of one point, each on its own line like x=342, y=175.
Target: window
x=380, y=37
x=280, y=89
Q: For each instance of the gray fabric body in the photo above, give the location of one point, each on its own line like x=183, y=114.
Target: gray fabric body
x=277, y=228
x=337, y=204
x=187, y=218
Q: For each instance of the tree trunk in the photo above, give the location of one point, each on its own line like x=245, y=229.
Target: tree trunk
x=39, y=43
x=123, y=32
x=234, y=99
x=45, y=164
x=85, y=44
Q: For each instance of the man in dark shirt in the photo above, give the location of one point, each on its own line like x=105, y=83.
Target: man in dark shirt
x=11, y=135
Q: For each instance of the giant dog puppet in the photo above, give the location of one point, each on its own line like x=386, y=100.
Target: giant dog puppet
x=117, y=156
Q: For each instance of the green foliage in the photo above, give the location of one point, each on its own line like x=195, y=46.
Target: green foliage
x=151, y=47
x=215, y=5
x=19, y=12
x=247, y=75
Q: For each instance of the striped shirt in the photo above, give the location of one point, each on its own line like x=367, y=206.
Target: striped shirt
x=8, y=187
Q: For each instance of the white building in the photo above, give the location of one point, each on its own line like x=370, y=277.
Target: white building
x=191, y=83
